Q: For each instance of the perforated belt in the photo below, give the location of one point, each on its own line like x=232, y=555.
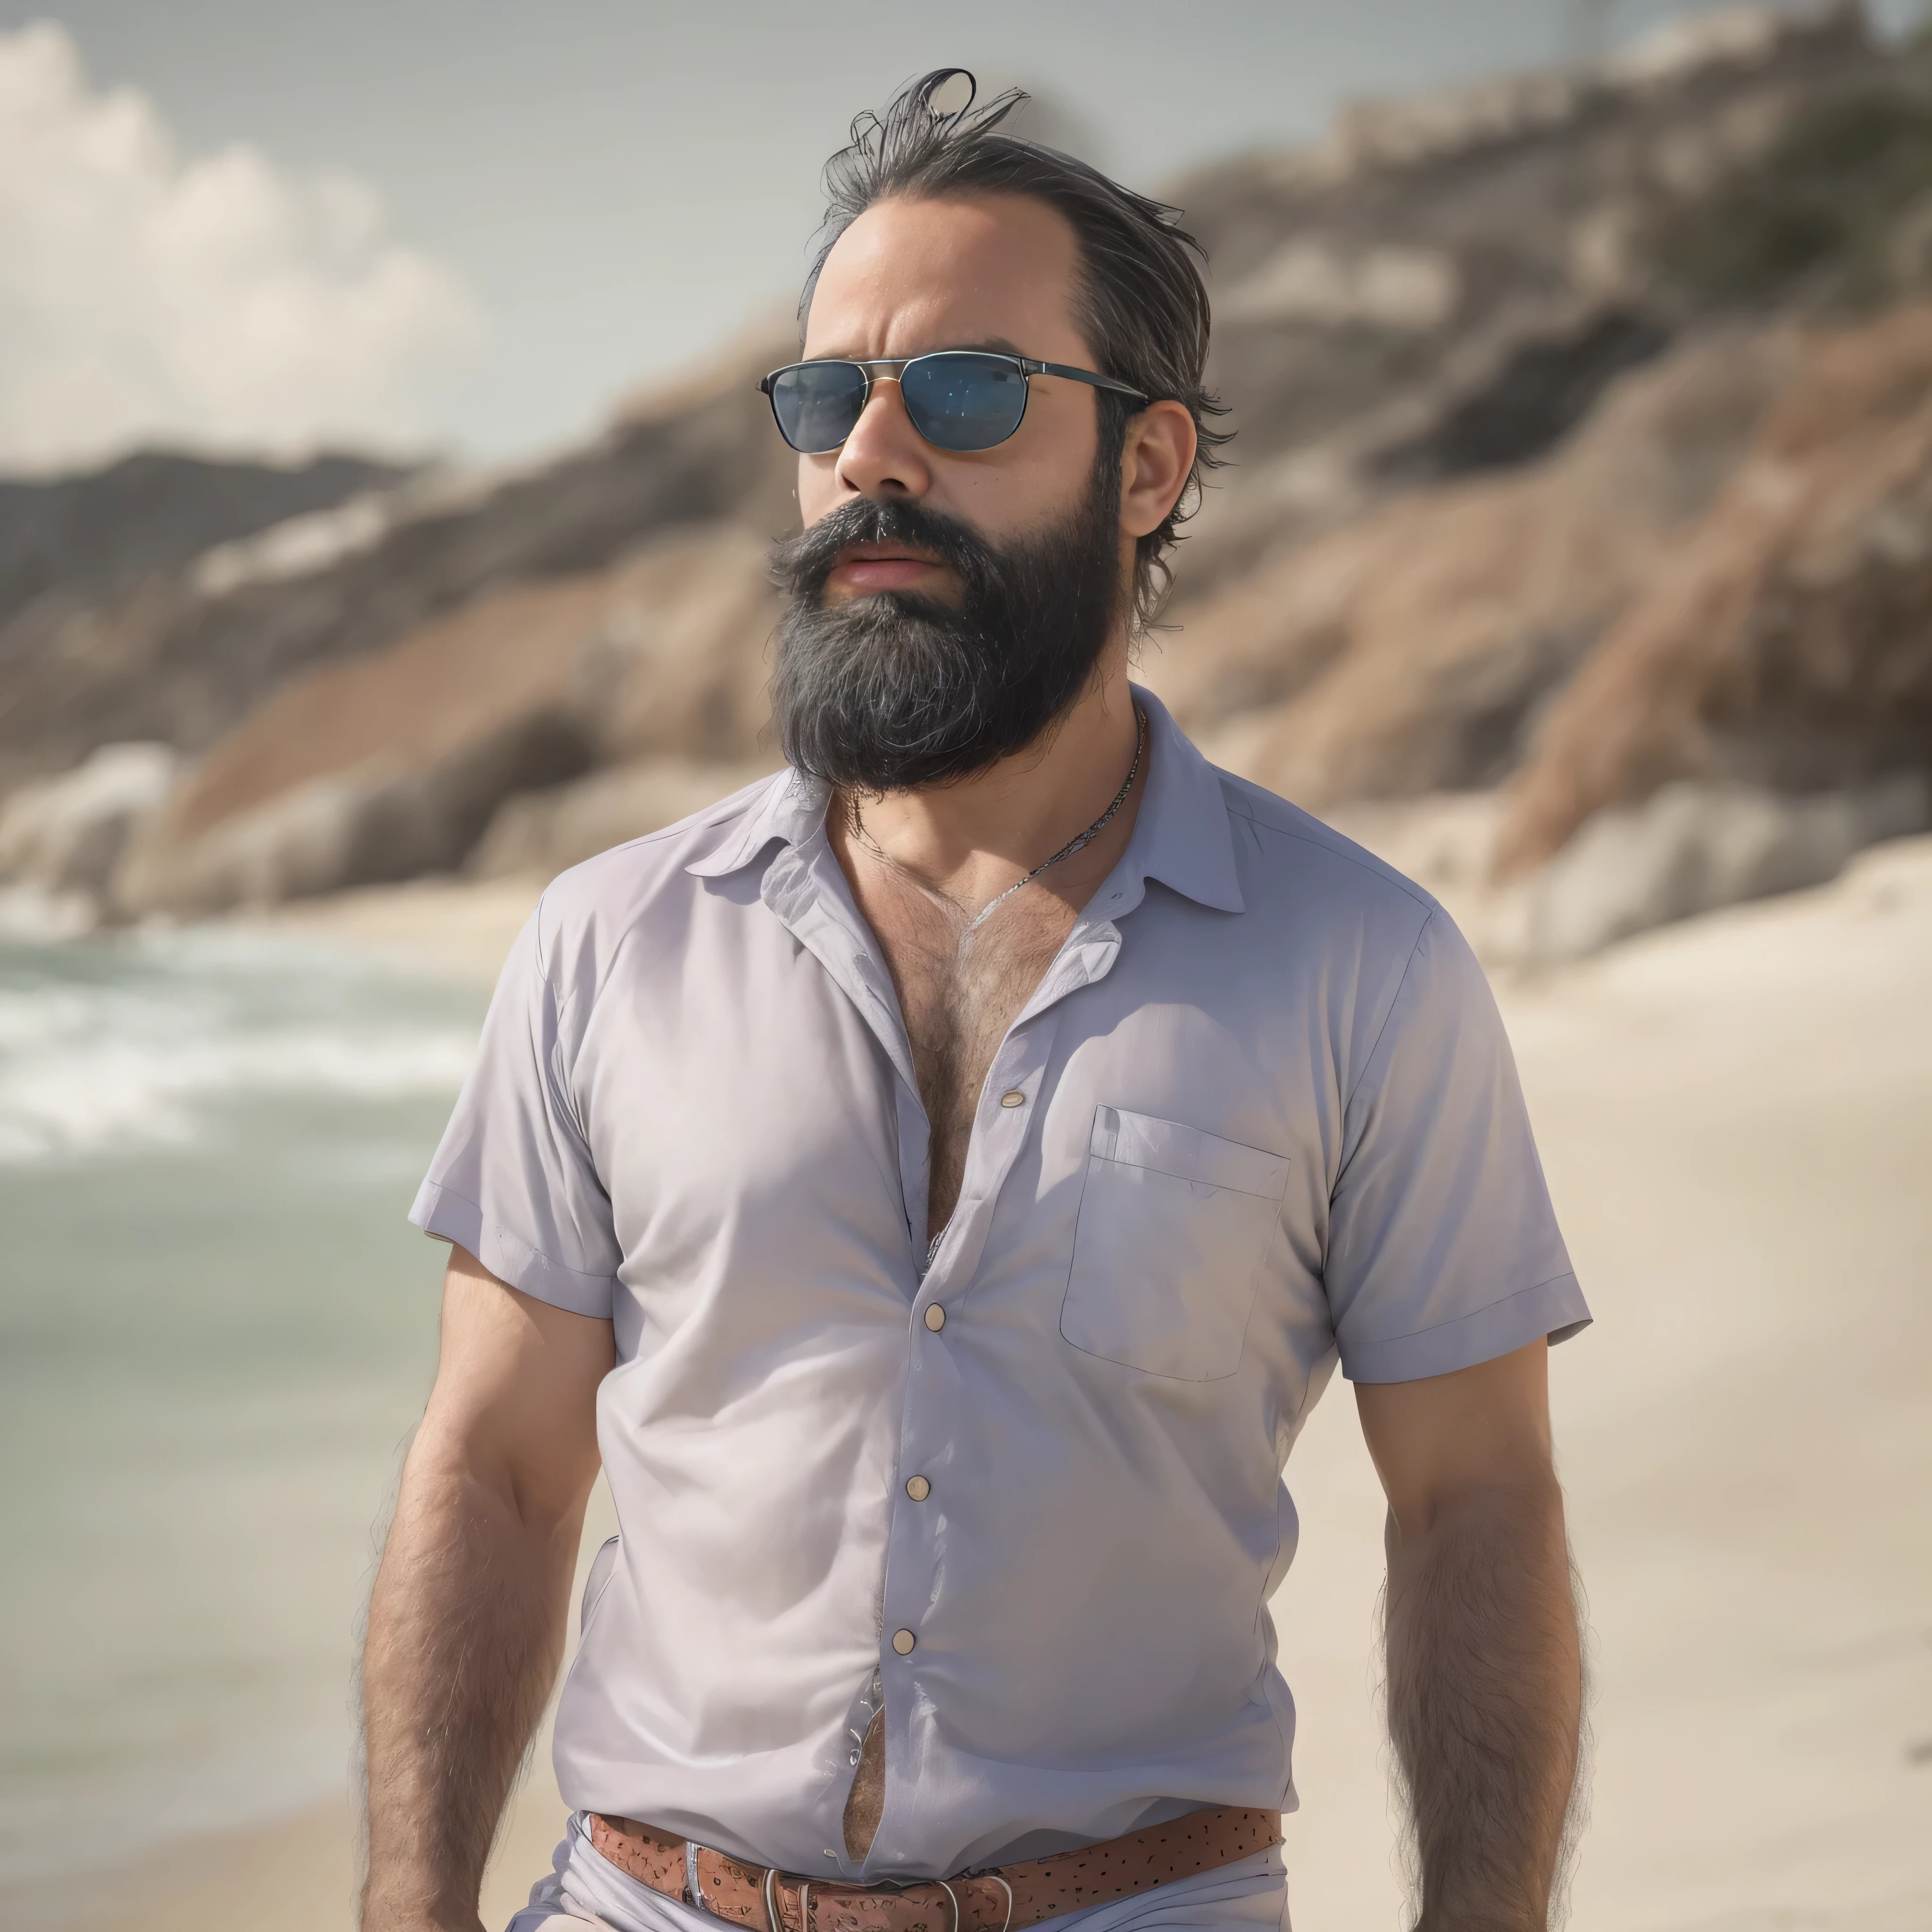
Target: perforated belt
x=1007, y=1899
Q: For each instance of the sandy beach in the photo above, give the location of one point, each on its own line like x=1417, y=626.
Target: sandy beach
x=1736, y=1116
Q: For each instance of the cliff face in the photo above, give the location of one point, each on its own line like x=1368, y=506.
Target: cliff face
x=1409, y=648
x=76, y=542
x=395, y=762
x=1509, y=369
x=189, y=653
x=1789, y=645
x=1448, y=286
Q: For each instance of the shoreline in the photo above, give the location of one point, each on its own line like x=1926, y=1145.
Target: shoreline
x=305, y=1864
x=460, y=928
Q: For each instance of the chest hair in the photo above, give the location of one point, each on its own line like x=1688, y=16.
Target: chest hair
x=960, y=991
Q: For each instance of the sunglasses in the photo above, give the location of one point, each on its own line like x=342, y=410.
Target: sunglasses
x=958, y=399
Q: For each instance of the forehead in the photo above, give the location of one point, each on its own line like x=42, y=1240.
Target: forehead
x=909, y=276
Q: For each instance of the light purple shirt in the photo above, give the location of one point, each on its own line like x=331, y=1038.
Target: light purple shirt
x=1260, y=1111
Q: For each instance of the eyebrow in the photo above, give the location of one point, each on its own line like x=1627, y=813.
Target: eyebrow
x=990, y=345
x=995, y=345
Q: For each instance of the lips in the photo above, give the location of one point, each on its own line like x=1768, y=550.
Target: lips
x=863, y=567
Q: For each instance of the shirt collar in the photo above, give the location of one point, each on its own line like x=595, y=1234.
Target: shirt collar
x=791, y=808
x=1181, y=835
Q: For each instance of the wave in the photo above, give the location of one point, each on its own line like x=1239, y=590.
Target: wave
x=106, y=1050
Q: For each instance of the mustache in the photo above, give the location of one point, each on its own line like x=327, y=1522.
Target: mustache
x=800, y=565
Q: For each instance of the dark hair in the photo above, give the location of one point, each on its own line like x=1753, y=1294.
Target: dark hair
x=1143, y=304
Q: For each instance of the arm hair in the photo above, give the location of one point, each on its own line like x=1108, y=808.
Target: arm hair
x=1485, y=1685
x=467, y=1618
x=1483, y=1650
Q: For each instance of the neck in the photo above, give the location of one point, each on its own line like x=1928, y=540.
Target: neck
x=972, y=838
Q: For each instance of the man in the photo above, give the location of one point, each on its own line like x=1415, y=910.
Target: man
x=938, y=1182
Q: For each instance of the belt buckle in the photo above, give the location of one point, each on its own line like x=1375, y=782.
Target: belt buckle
x=896, y=1887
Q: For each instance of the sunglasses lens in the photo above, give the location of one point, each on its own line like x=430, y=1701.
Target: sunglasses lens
x=817, y=404
x=964, y=402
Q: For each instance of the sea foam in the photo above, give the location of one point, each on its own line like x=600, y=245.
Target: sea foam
x=104, y=1050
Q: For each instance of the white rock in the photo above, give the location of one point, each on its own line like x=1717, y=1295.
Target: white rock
x=303, y=842
x=1404, y=290
x=1691, y=849
x=540, y=833
x=1681, y=46
x=32, y=916
x=65, y=835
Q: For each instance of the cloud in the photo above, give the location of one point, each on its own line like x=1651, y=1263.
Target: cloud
x=218, y=301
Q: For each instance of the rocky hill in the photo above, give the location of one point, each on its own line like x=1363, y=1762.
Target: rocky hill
x=1580, y=460
x=75, y=542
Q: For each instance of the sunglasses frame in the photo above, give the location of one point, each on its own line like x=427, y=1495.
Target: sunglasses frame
x=1028, y=366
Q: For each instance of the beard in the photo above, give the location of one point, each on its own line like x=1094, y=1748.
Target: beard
x=896, y=690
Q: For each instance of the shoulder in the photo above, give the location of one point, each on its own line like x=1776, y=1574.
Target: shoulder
x=1398, y=963
x=587, y=914
x=1288, y=859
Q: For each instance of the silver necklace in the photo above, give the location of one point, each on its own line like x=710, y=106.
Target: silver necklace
x=1066, y=851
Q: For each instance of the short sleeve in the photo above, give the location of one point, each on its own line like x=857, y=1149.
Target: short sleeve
x=513, y=1180
x=1443, y=1247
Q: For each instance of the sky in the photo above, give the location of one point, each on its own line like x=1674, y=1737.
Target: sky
x=470, y=227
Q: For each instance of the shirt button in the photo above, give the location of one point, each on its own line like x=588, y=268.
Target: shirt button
x=1015, y=1098
x=918, y=1488
x=935, y=1317
x=903, y=1642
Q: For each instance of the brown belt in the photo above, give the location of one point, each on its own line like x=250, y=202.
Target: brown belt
x=1007, y=1899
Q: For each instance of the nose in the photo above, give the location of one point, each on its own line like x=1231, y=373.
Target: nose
x=885, y=456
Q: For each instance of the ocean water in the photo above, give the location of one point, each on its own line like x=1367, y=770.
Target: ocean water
x=216, y=1332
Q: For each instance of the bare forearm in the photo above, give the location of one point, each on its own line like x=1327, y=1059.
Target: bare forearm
x=1485, y=1698
x=466, y=1630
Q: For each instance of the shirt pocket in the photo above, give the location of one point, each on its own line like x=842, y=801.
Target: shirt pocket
x=1174, y=1224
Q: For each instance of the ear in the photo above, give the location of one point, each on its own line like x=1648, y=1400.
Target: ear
x=1154, y=464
